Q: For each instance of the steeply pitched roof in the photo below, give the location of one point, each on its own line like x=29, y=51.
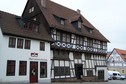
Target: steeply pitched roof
x=10, y=26
x=69, y=15
x=121, y=53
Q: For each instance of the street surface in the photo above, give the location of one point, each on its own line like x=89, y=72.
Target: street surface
x=109, y=82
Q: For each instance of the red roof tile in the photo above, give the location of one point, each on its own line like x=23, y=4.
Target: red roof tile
x=121, y=53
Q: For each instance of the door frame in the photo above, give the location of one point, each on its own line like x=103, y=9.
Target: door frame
x=33, y=76
x=78, y=70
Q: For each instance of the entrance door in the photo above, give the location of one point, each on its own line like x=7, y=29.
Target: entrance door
x=78, y=70
x=101, y=74
x=33, y=72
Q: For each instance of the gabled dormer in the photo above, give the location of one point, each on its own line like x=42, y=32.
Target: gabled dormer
x=77, y=23
x=30, y=25
x=89, y=30
x=60, y=20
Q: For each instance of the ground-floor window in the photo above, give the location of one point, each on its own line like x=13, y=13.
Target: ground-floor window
x=61, y=71
x=89, y=73
x=43, y=69
x=10, y=68
x=22, y=67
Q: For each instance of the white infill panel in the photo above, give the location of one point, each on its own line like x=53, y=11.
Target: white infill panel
x=56, y=63
x=66, y=63
x=62, y=63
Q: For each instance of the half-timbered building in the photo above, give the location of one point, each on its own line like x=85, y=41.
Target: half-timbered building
x=116, y=61
x=78, y=50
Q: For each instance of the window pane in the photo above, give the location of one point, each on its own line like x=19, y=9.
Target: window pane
x=62, y=22
x=12, y=42
x=61, y=71
x=77, y=40
x=22, y=68
x=79, y=24
x=20, y=43
x=27, y=44
x=64, y=38
x=89, y=73
x=43, y=69
x=58, y=36
x=42, y=46
x=68, y=38
x=10, y=68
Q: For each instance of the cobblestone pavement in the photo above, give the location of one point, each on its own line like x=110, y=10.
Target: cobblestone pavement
x=109, y=82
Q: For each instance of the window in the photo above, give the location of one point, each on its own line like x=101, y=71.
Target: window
x=43, y=69
x=27, y=44
x=77, y=41
x=64, y=38
x=90, y=43
x=33, y=26
x=42, y=46
x=22, y=68
x=79, y=24
x=89, y=73
x=58, y=36
x=20, y=43
x=10, y=68
x=12, y=42
x=31, y=10
x=61, y=71
x=60, y=54
x=81, y=41
x=101, y=45
x=62, y=22
x=68, y=38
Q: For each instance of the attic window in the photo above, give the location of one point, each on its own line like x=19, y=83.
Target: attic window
x=31, y=10
x=62, y=22
x=79, y=24
x=32, y=26
x=89, y=30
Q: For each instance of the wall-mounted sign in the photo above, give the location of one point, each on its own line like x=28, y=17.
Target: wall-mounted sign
x=34, y=54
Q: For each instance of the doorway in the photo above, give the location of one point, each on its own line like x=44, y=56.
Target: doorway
x=100, y=74
x=78, y=70
x=33, y=72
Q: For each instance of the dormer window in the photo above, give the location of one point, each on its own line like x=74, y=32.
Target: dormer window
x=31, y=10
x=30, y=25
x=89, y=30
x=62, y=22
x=79, y=24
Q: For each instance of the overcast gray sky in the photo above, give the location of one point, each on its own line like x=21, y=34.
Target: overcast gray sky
x=108, y=16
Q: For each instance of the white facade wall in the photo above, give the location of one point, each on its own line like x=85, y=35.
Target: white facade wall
x=105, y=72
x=16, y=54
x=1, y=38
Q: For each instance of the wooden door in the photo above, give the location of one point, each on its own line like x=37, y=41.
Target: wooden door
x=78, y=70
x=33, y=72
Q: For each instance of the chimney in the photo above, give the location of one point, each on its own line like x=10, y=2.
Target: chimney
x=78, y=11
x=44, y=3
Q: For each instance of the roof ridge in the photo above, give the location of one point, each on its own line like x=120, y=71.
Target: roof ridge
x=65, y=7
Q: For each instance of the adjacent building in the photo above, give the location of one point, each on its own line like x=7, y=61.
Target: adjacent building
x=116, y=61
x=24, y=50
x=50, y=42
